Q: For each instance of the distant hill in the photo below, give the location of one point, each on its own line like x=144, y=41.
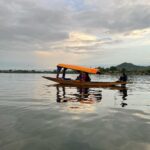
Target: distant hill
x=132, y=67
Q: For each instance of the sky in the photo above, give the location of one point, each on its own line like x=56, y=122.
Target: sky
x=39, y=34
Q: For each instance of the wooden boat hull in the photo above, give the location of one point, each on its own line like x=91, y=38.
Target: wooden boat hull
x=85, y=84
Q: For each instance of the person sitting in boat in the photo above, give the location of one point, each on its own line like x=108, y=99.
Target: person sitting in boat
x=123, y=77
x=88, y=79
x=79, y=76
x=85, y=77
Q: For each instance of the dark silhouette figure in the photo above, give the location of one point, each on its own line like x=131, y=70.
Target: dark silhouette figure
x=88, y=79
x=79, y=76
x=123, y=77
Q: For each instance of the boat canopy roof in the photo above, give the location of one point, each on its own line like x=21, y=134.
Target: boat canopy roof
x=79, y=68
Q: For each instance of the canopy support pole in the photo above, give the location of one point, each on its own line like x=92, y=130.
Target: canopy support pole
x=58, y=71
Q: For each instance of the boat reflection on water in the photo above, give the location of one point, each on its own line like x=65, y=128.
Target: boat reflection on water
x=82, y=95
x=124, y=97
x=86, y=95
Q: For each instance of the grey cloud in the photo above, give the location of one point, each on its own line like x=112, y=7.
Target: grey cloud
x=87, y=47
x=29, y=23
x=119, y=18
x=24, y=24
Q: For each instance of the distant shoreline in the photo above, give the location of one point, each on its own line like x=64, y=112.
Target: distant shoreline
x=25, y=71
x=124, y=67
x=107, y=72
x=33, y=72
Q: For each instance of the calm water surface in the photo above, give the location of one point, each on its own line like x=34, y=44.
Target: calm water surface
x=36, y=114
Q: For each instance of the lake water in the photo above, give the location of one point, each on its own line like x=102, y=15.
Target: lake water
x=36, y=114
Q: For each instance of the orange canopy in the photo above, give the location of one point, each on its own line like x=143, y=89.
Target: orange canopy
x=79, y=68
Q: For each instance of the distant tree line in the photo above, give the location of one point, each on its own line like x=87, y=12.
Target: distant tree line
x=115, y=70
x=111, y=70
x=24, y=71
x=129, y=68
x=34, y=71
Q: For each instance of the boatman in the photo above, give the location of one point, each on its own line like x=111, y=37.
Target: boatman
x=123, y=77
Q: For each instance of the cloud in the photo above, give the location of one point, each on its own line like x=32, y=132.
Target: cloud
x=52, y=58
x=80, y=43
x=76, y=27
x=137, y=34
x=29, y=22
x=115, y=16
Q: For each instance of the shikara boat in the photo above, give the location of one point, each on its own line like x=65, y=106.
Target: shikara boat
x=80, y=83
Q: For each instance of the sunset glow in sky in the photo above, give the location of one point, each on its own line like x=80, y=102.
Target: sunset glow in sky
x=39, y=34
